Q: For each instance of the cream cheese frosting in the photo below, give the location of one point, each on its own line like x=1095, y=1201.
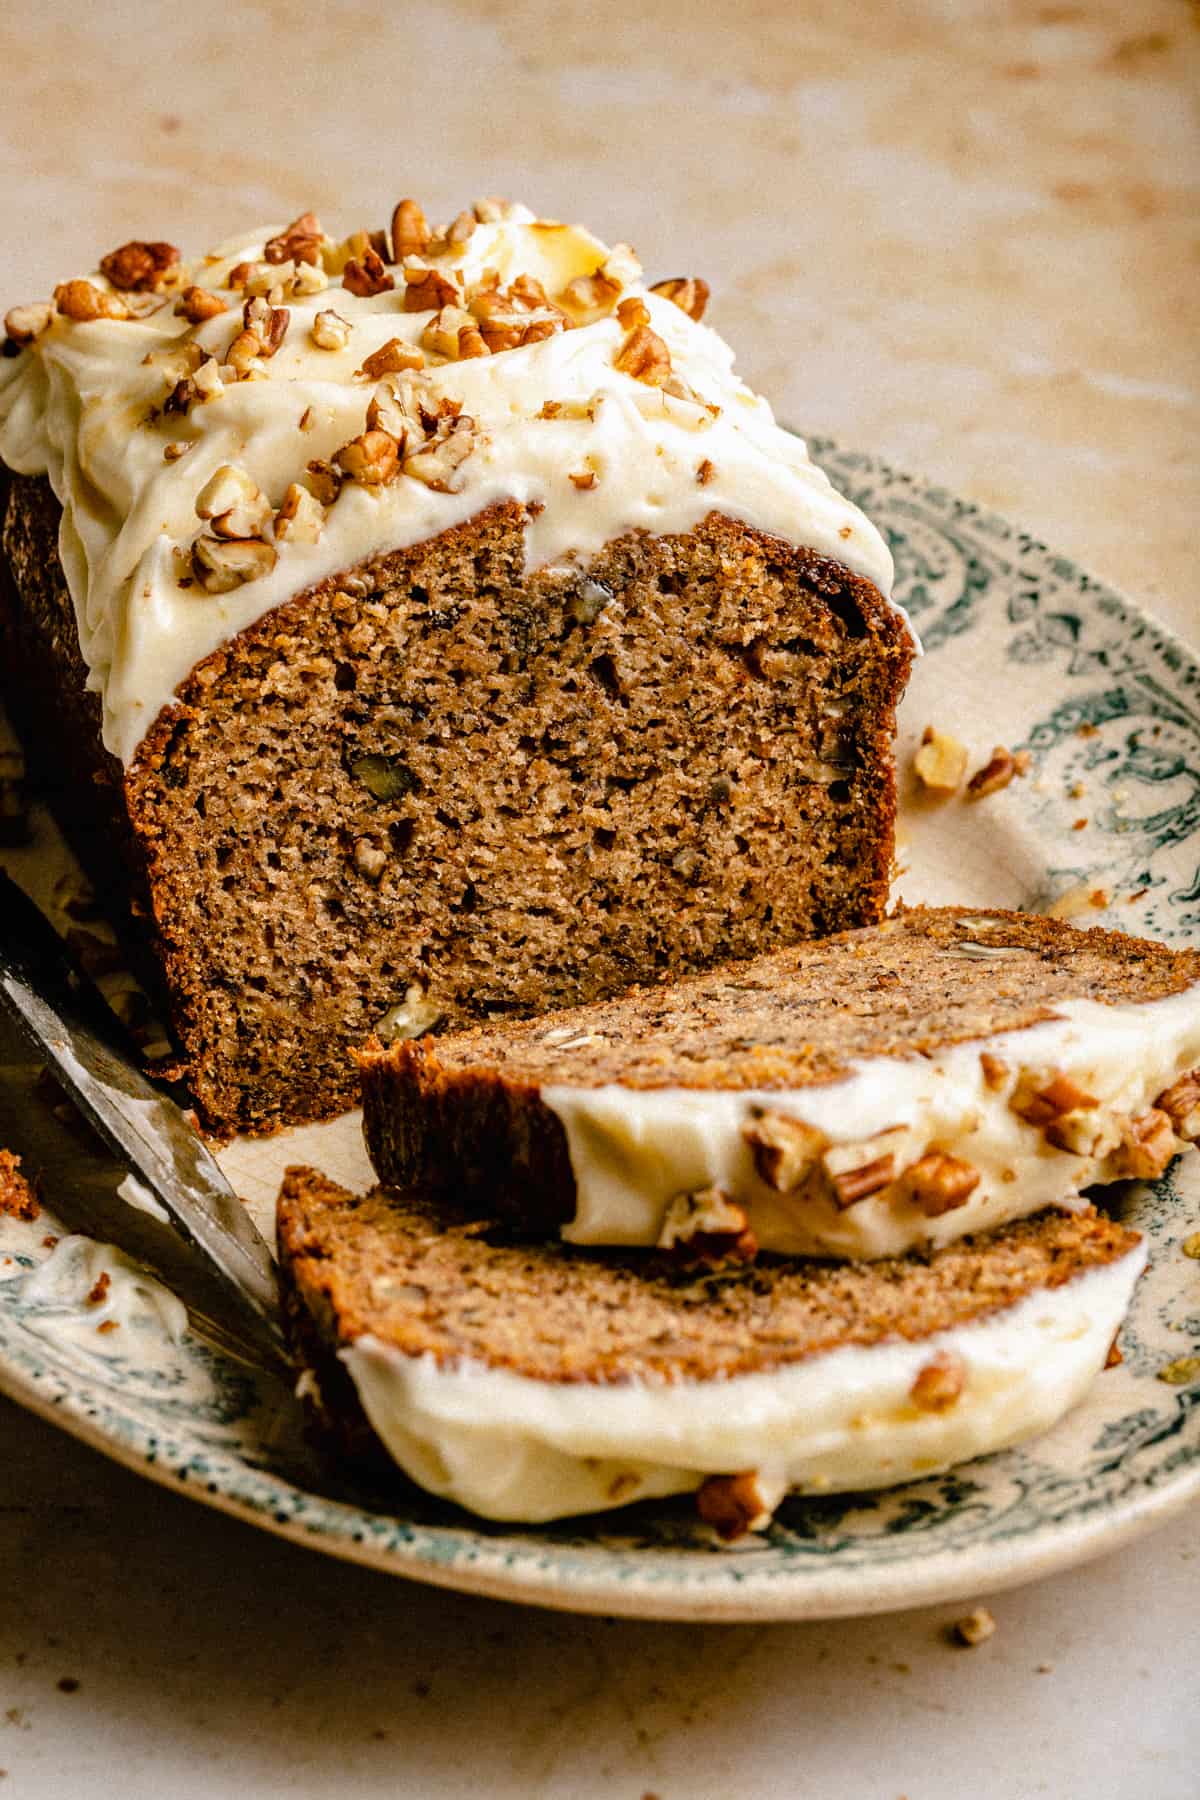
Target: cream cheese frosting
x=633, y=1150
x=508, y=1446
x=84, y=405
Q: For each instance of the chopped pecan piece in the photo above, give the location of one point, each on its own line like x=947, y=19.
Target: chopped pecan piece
x=590, y=294
x=858, y=1170
x=941, y=761
x=707, y=1227
x=633, y=312
x=390, y=359
x=140, y=268
x=220, y=565
x=976, y=1628
x=366, y=275
x=997, y=772
x=583, y=479
x=939, y=1183
x=24, y=323
x=1038, y=1102
x=995, y=1071
x=324, y=481
x=704, y=472
x=460, y=229
x=785, y=1149
x=1148, y=1143
x=736, y=1504
x=329, y=331
x=410, y=232
x=438, y=463
x=300, y=517
x=83, y=301
x=689, y=293
x=940, y=1383
x=196, y=304
x=300, y=242
x=244, y=353
x=1181, y=1103
x=644, y=356
x=428, y=290
x=373, y=458
x=268, y=323
x=231, y=500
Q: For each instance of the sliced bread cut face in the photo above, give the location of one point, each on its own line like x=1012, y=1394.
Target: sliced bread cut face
x=938, y=1074
x=437, y=788
x=533, y=1381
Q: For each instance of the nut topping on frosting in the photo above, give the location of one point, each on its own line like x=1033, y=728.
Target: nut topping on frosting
x=366, y=275
x=689, y=293
x=410, y=232
x=1148, y=1143
x=938, y=1183
x=707, y=1227
x=300, y=243
x=492, y=284
x=1181, y=1103
x=784, y=1148
x=196, y=304
x=1041, y=1102
x=23, y=323
x=940, y=1383
x=83, y=302
x=140, y=268
x=300, y=517
x=736, y=1504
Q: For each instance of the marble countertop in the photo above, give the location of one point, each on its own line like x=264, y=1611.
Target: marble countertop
x=960, y=234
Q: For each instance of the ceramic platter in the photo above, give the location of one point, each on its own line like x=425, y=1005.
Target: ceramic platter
x=1022, y=649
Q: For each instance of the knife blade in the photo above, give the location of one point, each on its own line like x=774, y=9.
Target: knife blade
x=77, y=1034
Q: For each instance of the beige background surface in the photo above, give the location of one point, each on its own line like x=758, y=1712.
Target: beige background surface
x=965, y=235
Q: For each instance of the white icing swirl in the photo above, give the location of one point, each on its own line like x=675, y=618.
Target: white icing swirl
x=83, y=407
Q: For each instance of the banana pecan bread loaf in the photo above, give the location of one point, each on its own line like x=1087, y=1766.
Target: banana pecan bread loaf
x=434, y=629
x=534, y=1381
x=937, y=1074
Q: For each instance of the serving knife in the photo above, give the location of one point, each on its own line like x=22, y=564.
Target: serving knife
x=91, y=1056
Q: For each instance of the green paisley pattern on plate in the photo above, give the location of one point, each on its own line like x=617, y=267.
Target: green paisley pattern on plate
x=1111, y=704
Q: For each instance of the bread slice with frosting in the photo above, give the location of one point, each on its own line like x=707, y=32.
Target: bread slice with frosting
x=530, y=1382
x=937, y=1074
x=433, y=626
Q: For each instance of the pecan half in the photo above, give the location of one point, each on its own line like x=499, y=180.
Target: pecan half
x=410, y=231
x=689, y=293
x=138, y=267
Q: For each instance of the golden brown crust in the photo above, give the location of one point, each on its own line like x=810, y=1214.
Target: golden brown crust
x=508, y=792
x=409, y=1270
